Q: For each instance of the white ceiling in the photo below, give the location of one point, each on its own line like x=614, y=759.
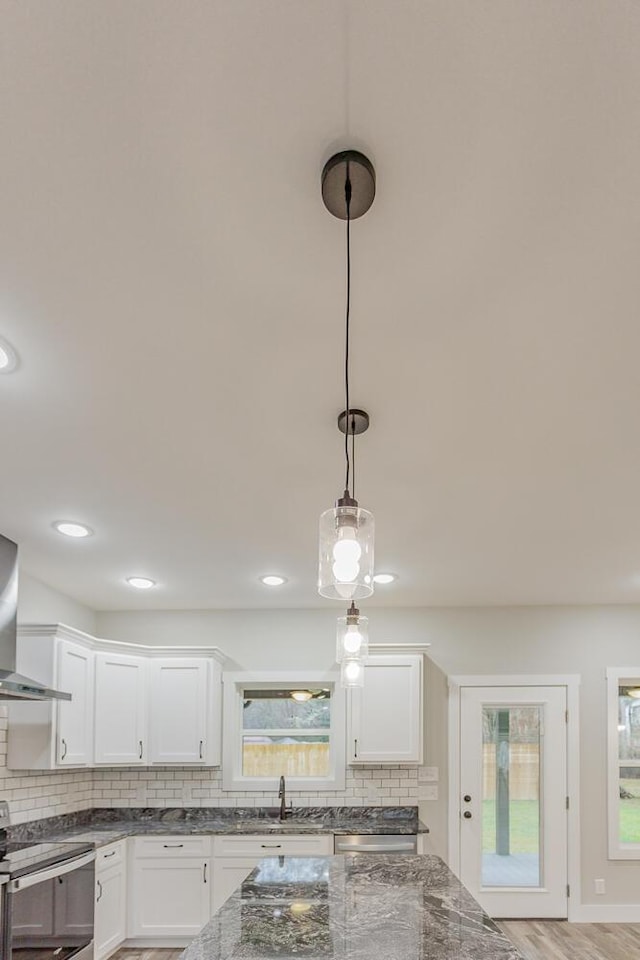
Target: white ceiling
x=175, y=290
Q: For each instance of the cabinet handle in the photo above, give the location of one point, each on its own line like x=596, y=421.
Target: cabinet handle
x=140, y=744
x=99, y=897
x=105, y=856
x=201, y=746
x=64, y=749
x=170, y=846
x=204, y=872
x=271, y=846
x=355, y=749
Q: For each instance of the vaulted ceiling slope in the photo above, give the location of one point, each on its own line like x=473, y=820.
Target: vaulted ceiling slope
x=175, y=290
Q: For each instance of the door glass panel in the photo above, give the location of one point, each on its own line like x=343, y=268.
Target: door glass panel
x=511, y=796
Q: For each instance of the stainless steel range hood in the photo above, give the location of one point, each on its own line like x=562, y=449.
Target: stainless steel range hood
x=13, y=686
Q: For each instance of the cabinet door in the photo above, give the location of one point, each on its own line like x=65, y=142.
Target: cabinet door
x=110, y=912
x=120, y=710
x=170, y=898
x=228, y=874
x=385, y=716
x=75, y=717
x=178, y=710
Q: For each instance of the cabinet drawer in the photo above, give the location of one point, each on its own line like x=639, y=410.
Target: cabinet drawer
x=167, y=847
x=269, y=845
x=110, y=856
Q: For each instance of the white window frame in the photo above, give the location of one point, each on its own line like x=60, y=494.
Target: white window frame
x=617, y=676
x=234, y=684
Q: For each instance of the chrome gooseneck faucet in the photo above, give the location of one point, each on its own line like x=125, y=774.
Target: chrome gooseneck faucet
x=283, y=800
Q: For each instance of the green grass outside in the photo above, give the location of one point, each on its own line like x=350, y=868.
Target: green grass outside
x=630, y=813
x=523, y=826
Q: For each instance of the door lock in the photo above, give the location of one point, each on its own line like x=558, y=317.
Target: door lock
x=467, y=798
x=467, y=814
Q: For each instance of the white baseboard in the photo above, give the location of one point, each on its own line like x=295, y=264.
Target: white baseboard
x=605, y=913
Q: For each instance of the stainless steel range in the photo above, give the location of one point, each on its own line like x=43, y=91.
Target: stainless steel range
x=48, y=900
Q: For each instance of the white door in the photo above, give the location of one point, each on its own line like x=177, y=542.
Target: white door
x=171, y=898
x=178, y=710
x=513, y=799
x=110, y=911
x=385, y=716
x=120, y=710
x=75, y=716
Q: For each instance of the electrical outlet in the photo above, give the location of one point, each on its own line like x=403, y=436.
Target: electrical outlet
x=428, y=791
x=600, y=886
x=372, y=793
x=428, y=774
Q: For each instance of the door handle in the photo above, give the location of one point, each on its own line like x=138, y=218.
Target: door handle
x=271, y=846
x=64, y=748
x=201, y=747
x=467, y=798
x=105, y=856
x=467, y=814
x=140, y=746
x=355, y=749
x=172, y=846
x=99, y=897
x=204, y=872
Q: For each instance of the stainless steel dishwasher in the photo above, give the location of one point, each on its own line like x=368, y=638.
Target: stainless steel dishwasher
x=377, y=843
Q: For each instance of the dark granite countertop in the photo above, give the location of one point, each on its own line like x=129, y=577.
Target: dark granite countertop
x=351, y=908
x=103, y=826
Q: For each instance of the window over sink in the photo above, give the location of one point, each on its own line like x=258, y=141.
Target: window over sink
x=289, y=725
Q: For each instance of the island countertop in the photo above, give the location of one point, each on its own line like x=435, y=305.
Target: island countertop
x=351, y=908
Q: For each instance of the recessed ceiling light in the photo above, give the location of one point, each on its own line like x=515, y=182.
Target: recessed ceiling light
x=141, y=583
x=8, y=357
x=72, y=529
x=385, y=577
x=273, y=580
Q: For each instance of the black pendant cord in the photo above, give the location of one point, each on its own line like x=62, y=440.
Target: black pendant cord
x=353, y=458
x=347, y=196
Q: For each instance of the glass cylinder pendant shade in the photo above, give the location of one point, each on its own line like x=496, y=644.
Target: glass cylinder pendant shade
x=352, y=673
x=352, y=637
x=346, y=552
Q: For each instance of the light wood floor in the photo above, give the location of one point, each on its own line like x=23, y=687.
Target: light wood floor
x=559, y=940
x=536, y=940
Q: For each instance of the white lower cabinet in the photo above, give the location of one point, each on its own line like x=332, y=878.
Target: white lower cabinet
x=235, y=857
x=170, y=888
x=111, y=899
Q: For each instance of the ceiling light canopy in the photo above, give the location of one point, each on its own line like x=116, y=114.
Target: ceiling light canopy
x=8, y=357
x=385, y=578
x=141, y=583
x=69, y=528
x=273, y=580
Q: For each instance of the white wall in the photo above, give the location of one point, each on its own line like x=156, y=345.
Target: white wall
x=582, y=640
x=39, y=603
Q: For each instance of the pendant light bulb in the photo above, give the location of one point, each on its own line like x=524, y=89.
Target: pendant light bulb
x=352, y=674
x=352, y=636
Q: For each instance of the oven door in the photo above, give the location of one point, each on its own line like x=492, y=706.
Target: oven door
x=50, y=912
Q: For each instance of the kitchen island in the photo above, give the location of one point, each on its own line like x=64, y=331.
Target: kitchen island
x=351, y=908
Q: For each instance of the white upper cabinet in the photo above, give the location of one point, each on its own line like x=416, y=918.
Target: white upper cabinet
x=75, y=716
x=179, y=710
x=385, y=716
x=45, y=735
x=120, y=727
